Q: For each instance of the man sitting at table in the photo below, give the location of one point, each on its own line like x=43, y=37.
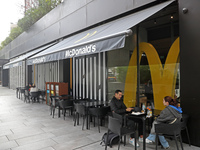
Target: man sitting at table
x=117, y=106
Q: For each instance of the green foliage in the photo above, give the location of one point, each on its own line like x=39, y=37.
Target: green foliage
x=31, y=16
x=15, y=32
x=34, y=14
x=144, y=74
x=121, y=71
x=6, y=41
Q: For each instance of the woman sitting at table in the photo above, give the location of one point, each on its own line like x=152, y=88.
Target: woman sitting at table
x=169, y=115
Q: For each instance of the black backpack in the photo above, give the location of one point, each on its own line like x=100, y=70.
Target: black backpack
x=112, y=139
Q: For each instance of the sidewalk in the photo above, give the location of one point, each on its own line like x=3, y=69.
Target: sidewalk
x=27, y=126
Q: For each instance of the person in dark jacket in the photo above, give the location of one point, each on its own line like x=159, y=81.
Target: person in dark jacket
x=117, y=106
x=169, y=115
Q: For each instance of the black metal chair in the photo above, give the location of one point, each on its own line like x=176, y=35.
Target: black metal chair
x=34, y=96
x=18, y=92
x=185, y=118
x=27, y=96
x=117, y=126
x=80, y=109
x=54, y=103
x=169, y=130
x=42, y=95
x=22, y=92
x=64, y=105
x=99, y=112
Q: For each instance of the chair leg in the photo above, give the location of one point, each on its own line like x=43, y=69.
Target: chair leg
x=124, y=140
x=25, y=100
x=75, y=119
x=106, y=140
x=98, y=124
x=94, y=121
x=176, y=141
x=83, y=122
x=120, y=138
x=156, y=141
x=64, y=113
x=181, y=141
x=188, y=136
x=53, y=111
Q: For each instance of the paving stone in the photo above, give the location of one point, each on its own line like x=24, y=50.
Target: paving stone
x=7, y=145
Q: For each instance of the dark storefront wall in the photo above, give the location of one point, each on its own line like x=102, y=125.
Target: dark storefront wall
x=5, y=77
x=189, y=59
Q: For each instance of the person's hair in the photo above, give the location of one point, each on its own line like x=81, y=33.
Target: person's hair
x=117, y=91
x=171, y=101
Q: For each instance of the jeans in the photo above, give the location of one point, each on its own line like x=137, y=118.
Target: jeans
x=164, y=143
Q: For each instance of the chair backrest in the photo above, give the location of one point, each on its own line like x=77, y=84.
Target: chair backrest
x=65, y=103
x=114, y=125
x=185, y=118
x=99, y=111
x=43, y=93
x=27, y=93
x=168, y=129
x=22, y=90
x=34, y=94
x=118, y=116
x=54, y=100
x=80, y=109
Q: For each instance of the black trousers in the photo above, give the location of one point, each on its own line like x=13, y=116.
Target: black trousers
x=139, y=124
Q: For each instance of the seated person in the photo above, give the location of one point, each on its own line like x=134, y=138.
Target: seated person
x=117, y=105
x=168, y=115
x=33, y=88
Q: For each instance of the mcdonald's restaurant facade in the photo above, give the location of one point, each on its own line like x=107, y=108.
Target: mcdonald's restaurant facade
x=150, y=49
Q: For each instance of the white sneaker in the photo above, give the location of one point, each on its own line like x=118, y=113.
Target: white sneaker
x=132, y=141
x=140, y=139
x=148, y=141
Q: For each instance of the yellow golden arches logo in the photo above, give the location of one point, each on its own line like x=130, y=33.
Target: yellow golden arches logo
x=87, y=36
x=163, y=78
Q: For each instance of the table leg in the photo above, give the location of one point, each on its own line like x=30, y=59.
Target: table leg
x=87, y=120
x=59, y=111
x=144, y=133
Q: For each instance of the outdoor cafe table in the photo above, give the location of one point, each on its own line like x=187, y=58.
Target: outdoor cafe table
x=141, y=116
x=88, y=103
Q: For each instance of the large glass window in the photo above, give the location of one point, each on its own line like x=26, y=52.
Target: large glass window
x=117, y=65
x=159, y=73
